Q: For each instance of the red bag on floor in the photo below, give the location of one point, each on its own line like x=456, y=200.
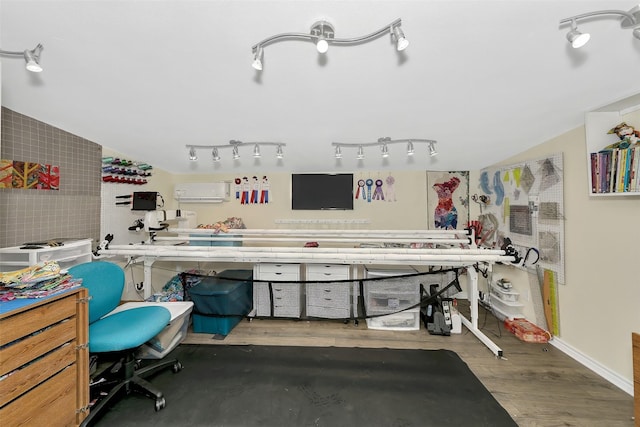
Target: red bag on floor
x=527, y=331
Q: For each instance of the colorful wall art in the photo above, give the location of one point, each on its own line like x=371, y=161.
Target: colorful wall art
x=29, y=175
x=448, y=200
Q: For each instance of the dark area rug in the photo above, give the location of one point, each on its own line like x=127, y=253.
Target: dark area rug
x=313, y=386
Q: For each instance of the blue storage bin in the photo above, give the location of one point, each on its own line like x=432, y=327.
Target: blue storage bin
x=212, y=242
x=219, y=303
x=214, y=325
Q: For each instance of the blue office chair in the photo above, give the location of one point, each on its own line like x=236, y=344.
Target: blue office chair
x=116, y=337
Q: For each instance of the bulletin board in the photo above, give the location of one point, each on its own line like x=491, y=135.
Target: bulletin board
x=525, y=203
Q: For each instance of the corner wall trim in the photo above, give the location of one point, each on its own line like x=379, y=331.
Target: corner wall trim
x=622, y=383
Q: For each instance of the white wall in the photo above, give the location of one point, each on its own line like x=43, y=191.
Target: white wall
x=599, y=304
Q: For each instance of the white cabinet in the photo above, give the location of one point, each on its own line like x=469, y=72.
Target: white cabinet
x=602, y=168
x=68, y=254
x=328, y=300
x=270, y=287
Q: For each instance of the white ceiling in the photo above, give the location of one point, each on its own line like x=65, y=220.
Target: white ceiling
x=486, y=79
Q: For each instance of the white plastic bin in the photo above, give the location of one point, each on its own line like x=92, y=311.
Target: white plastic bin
x=505, y=309
x=392, y=296
x=160, y=345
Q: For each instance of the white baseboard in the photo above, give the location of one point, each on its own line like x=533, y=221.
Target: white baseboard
x=606, y=373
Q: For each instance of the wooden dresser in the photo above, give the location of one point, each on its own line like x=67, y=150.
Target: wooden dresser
x=44, y=359
x=635, y=338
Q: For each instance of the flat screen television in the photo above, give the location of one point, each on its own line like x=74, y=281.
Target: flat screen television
x=322, y=191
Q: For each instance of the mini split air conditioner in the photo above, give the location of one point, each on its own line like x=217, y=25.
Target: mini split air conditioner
x=202, y=192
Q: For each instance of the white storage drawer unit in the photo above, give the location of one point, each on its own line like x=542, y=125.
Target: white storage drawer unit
x=392, y=296
x=286, y=296
x=328, y=300
x=67, y=255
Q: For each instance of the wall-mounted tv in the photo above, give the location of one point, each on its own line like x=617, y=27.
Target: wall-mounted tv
x=320, y=191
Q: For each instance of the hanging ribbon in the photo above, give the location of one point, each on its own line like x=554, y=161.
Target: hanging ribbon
x=369, y=183
x=378, y=194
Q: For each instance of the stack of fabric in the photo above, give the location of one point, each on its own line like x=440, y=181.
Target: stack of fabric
x=38, y=281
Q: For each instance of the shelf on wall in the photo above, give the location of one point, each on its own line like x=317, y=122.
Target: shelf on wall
x=607, y=175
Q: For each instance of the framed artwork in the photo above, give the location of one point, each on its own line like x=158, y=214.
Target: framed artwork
x=447, y=200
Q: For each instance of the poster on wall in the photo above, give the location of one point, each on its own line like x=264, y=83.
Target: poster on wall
x=252, y=191
x=448, y=200
x=29, y=175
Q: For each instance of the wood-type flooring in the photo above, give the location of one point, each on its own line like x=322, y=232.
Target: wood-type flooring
x=536, y=383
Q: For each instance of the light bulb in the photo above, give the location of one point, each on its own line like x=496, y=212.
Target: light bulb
x=322, y=45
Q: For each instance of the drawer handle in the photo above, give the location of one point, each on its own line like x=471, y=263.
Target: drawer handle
x=327, y=290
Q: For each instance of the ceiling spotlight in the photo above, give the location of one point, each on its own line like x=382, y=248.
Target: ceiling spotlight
x=385, y=150
x=192, y=154
x=257, y=59
x=322, y=34
x=256, y=151
x=401, y=41
x=279, y=153
x=236, y=155
x=410, y=150
x=31, y=58
x=338, y=152
x=432, y=149
x=360, y=155
x=215, y=155
x=323, y=31
x=576, y=38
x=629, y=20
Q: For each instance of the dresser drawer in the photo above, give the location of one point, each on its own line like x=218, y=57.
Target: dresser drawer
x=286, y=299
x=19, y=326
x=328, y=291
x=261, y=269
x=52, y=403
x=328, y=313
x=327, y=272
x=278, y=277
x=13, y=356
x=22, y=380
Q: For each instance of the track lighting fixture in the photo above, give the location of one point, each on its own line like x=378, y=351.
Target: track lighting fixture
x=410, y=150
x=630, y=19
x=432, y=149
x=384, y=144
x=322, y=34
x=385, y=150
x=31, y=57
x=401, y=41
x=235, y=145
x=257, y=59
x=575, y=37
